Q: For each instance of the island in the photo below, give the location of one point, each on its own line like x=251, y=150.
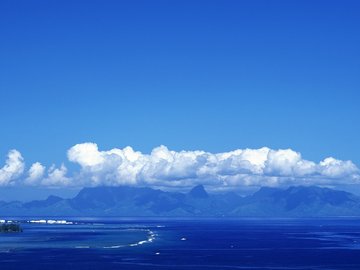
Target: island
x=10, y=228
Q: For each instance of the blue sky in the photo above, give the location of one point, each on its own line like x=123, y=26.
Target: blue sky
x=191, y=75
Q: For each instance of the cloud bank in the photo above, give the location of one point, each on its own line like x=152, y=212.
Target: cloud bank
x=166, y=168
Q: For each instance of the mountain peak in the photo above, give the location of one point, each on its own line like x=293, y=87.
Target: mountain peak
x=198, y=192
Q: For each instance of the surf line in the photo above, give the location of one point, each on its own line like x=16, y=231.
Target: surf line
x=150, y=239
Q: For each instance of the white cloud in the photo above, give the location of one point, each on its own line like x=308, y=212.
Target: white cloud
x=167, y=168
x=288, y=163
x=334, y=168
x=163, y=167
x=57, y=177
x=86, y=154
x=36, y=173
x=13, y=168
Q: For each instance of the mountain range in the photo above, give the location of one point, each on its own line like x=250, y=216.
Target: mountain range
x=296, y=201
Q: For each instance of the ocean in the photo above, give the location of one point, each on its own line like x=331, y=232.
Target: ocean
x=132, y=243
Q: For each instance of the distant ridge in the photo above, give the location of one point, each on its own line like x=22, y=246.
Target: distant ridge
x=296, y=201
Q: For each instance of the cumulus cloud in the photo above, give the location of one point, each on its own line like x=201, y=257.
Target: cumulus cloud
x=288, y=163
x=13, y=168
x=54, y=176
x=57, y=177
x=166, y=168
x=35, y=173
x=242, y=167
x=334, y=168
x=86, y=154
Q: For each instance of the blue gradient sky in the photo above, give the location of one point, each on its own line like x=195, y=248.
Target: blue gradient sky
x=209, y=75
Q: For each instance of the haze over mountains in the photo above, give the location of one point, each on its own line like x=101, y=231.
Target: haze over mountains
x=297, y=201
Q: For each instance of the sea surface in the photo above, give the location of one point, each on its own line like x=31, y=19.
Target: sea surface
x=103, y=243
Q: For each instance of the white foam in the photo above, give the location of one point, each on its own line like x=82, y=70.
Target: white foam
x=151, y=238
x=119, y=246
x=41, y=221
x=183, y=239
x=51, y=221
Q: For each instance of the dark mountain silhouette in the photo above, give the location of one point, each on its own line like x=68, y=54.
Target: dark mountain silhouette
x=44, y=203
x=199, y=192
x=299, y=201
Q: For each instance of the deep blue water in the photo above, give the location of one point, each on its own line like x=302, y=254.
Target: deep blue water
x=184, y=244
